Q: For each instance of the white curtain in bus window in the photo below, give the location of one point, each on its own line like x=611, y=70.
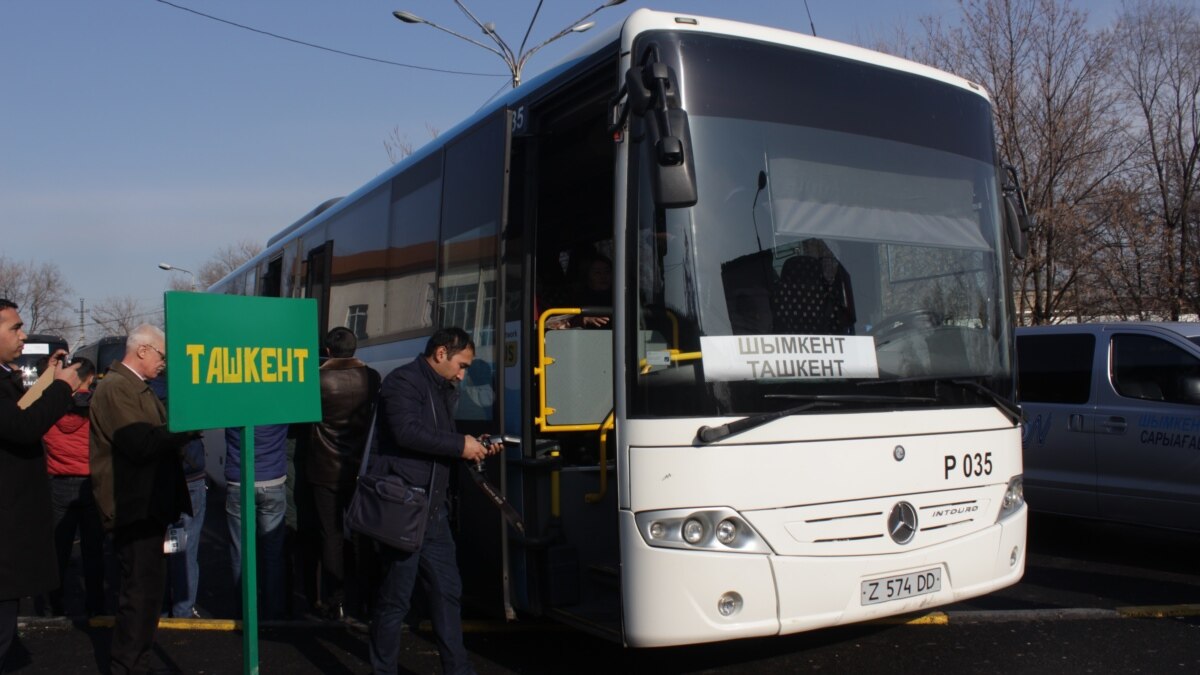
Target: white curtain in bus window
x=412, y=248
x=473, y=198
x=356, y=278
x=911, y=204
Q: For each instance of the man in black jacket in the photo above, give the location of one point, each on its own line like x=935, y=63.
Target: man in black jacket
x=28, y=563
x=417, y=441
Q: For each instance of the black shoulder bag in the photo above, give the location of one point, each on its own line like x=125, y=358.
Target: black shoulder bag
x=386, y=509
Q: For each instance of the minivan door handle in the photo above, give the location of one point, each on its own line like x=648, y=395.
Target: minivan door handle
x=1075, y=422
x=1113, y=425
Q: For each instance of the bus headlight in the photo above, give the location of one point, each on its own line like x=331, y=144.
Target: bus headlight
x=716, y=529
x=727, y=531
x=1014, y=498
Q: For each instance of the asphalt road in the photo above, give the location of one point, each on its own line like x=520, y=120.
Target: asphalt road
x=1096, y=598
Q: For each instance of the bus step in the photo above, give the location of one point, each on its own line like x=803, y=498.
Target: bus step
x=608, y=575
x=562, y=568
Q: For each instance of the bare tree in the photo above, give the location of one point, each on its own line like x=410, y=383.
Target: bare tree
x=119, y=315
x=225, y=260
x=40, y=289
x=1158, y=69
x=180, y=283
x=398, y=145
x=1055, y=120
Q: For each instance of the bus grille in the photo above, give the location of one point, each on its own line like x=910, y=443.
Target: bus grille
x=861, y=527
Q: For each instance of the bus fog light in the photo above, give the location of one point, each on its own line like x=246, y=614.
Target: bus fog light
x=693, y=531
x=727, y=531
x=1013, y=557
x=729, y=604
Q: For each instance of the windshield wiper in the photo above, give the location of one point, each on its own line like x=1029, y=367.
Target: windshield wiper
x=1010, y=409
x=710, y=434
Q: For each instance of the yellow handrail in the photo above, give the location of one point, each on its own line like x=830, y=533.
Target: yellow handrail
x=596, y=497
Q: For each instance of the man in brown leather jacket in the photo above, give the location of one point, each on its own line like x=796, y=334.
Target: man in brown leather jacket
x=349, y=389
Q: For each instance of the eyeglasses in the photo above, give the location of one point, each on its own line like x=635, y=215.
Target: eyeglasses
x=156, y=350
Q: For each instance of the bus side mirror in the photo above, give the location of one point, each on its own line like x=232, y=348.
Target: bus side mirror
x=1016, y=213
x=653, y=93
x=1016, y=226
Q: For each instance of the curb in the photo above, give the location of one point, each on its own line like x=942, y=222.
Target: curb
x=930, y=619
x=168, y=623
x=1058, y=614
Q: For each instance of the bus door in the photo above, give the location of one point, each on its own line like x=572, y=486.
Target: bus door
x=561, y=215
x=473, y=215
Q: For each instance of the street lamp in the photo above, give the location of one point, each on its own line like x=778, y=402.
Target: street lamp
x=172, y=268
x=514, y=60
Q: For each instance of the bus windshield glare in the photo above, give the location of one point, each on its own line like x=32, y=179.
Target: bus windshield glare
x=844, y=236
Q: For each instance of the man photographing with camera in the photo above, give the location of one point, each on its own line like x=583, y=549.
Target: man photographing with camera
x=27, y=559
x=417, y=441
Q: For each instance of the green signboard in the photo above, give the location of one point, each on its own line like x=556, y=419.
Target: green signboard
x=239, y=361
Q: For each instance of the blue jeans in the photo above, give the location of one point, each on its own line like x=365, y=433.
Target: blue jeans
x=183, y=571
x=270, y=507
x=435, y=564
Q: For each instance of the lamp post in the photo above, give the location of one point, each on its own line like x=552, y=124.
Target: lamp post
x=515, y=60
x=172, y=268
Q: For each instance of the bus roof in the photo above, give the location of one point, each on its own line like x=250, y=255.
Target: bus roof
x=638, y=22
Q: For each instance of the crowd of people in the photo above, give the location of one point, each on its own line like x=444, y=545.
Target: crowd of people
x=92, y=460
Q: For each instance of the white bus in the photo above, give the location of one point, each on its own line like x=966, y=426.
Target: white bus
x=799, y=414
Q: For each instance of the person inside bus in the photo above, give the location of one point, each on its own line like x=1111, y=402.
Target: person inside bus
x=593, y=287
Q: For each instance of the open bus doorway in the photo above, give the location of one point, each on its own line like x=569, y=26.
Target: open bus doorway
x=559, y=211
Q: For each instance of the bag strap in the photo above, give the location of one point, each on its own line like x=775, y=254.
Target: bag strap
x=362, y=468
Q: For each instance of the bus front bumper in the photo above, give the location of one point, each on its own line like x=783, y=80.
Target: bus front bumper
x=672, y=596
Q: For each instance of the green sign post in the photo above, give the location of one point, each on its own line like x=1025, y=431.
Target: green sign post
x=240, y=361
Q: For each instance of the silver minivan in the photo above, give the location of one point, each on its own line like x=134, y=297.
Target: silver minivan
x=1112, y=421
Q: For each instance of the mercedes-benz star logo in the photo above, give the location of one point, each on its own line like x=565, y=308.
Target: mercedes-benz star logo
x=902, y=523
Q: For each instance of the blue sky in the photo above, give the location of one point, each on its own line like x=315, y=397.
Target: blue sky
x=133, y=132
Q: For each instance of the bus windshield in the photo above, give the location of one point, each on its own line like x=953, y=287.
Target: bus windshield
x=844, y=236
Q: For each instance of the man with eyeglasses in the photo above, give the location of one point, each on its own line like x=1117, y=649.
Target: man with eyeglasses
x=137, y=474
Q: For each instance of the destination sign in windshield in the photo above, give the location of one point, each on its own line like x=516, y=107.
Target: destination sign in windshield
x=776, y=357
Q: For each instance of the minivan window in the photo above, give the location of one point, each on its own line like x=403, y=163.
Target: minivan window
x=1055, y=368
x=1152, y=369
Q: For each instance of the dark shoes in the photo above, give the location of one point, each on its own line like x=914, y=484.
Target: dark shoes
x=334, y=612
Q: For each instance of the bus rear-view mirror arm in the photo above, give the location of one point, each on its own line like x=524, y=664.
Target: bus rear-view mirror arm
x=652, y=96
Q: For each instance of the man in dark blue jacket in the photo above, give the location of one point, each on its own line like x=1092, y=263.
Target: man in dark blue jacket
x=417, y=441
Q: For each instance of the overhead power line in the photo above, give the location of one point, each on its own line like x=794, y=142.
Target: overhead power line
x=327, y=49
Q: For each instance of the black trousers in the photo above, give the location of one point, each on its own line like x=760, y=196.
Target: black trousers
x=139, y=549
x=8, y=626
x=328, y=505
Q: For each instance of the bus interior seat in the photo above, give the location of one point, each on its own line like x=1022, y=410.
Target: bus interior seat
x=812, y=296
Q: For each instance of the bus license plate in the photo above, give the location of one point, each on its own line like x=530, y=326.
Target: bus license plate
x=902, y=586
